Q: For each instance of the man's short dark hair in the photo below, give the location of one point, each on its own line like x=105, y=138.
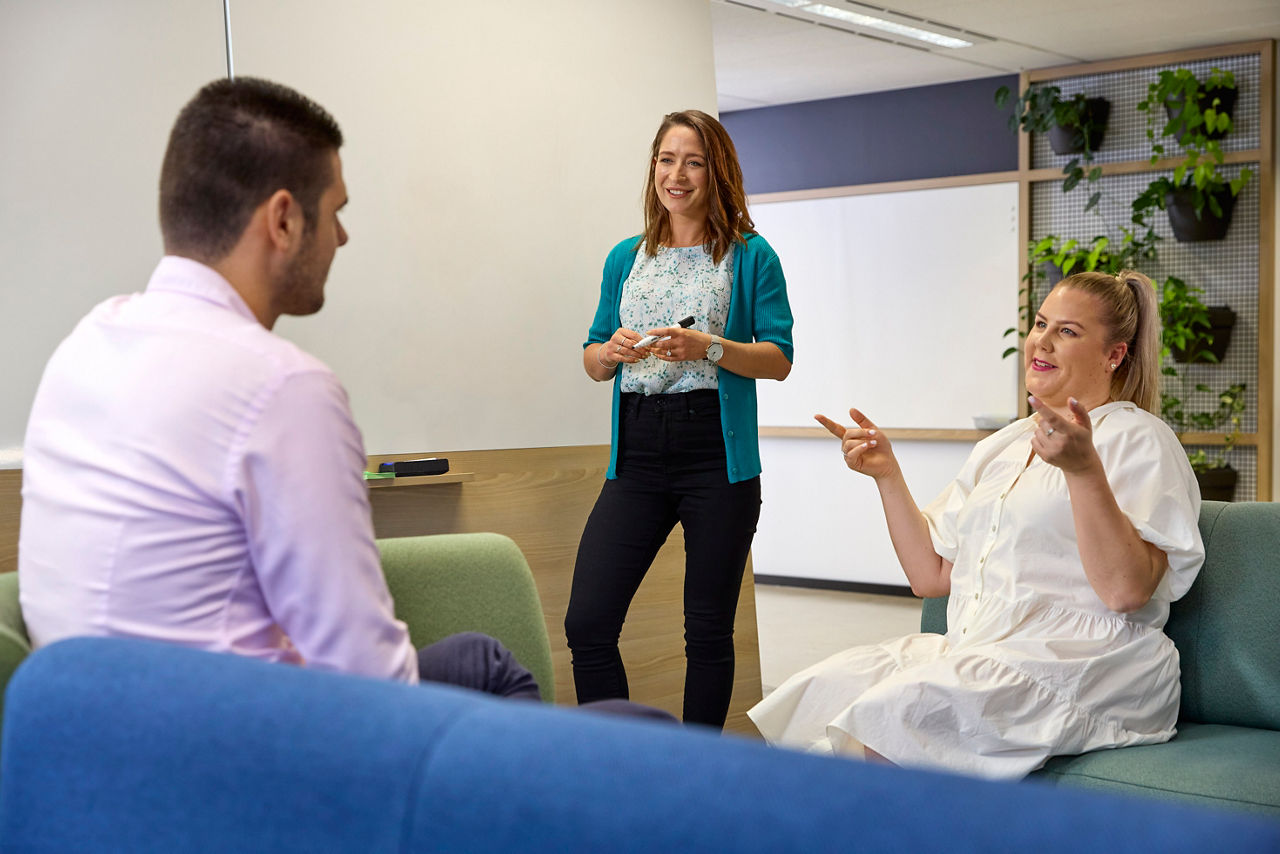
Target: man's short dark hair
x=237, y=142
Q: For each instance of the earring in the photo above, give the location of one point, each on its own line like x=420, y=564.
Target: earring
x=1113, y=366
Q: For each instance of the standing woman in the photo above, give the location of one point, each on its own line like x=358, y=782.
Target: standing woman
x=684, y=445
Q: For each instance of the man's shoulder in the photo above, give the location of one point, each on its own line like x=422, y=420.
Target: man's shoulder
x=247, y=345
x=210, y=359
x=289, y=357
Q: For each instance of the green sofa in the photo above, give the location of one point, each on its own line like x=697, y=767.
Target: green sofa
x=1227, y=750
x=441, y=584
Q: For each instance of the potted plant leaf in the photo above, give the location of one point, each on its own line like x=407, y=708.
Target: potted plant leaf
x=1052, y=259
x=1075, y=125
x=1213, y=472
x=1192, y=331
x=1191, y=106
x=1199, y=198
x=1055, y=259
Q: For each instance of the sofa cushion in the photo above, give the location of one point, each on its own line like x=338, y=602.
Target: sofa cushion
x=592, y=785
x=1225, y=627
x=1206, y=764
x=933, y=615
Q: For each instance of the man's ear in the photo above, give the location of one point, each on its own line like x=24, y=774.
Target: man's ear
x=284, y=220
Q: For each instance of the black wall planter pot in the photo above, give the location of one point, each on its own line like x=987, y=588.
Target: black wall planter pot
x=1221, y=321
x=1187, y=227
x=1070, y=139
x=1226, y=104
x=1052, y=273
x=1217, y=484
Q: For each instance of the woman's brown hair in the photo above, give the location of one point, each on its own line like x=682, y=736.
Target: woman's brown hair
x=1130, y=310
x=727, y=218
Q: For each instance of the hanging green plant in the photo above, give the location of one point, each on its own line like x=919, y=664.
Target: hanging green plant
x=1197, y=111
x=1187, y=329
x=1228, y=414
x=1196, y=116
x=1075, y=125
x=1184, y=319
x=1052, y=258
x=1057, y=259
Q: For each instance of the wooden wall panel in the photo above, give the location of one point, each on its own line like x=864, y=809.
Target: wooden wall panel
x=10, y=510
x=541, y=497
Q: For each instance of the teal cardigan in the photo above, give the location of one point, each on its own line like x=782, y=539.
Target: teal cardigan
x=758, y=311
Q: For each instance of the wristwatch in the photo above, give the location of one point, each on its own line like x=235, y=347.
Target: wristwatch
x=715, y=349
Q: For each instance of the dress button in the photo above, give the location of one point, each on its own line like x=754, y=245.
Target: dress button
x=725, y=396
x=993, y=527
x=975, y=597
x=730, y=434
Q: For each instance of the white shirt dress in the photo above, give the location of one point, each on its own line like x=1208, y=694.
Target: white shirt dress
x=1033, y=664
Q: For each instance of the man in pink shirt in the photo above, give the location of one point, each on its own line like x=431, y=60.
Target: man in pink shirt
x=191, y=477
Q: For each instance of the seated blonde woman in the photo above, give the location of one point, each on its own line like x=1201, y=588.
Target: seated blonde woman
x=1061, y=542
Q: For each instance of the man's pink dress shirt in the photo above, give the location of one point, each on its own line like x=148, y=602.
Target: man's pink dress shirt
x=188, y=476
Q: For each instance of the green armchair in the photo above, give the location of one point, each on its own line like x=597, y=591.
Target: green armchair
x=448, y=583
x=1227, y=750
x=14, y=643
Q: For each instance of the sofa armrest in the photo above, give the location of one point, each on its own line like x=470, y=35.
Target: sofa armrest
x=448, y=583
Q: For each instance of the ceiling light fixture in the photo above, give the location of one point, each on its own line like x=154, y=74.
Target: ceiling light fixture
x=860, y=20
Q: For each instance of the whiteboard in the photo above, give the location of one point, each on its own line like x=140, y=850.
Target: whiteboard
x=491, y=165
x=900, y=300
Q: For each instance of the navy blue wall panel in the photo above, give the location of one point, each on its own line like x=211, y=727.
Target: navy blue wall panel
x=926, y=132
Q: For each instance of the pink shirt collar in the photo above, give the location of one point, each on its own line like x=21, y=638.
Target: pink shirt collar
x=178, y=275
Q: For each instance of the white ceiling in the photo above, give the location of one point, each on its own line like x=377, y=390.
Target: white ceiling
x=763, y=58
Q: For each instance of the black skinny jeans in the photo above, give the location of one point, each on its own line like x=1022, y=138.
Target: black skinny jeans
x=671, y=467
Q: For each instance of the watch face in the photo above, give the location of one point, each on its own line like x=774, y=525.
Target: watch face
x=714, y=351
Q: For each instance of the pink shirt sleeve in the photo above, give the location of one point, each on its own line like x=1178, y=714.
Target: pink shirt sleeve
x=307, y=520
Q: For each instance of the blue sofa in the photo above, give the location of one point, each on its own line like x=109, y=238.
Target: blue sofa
x=124, y=745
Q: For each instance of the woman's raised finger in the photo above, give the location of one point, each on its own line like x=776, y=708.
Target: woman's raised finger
x=834, y=428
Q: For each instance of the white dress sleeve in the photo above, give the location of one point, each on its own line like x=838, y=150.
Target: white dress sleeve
x=1156, y=489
